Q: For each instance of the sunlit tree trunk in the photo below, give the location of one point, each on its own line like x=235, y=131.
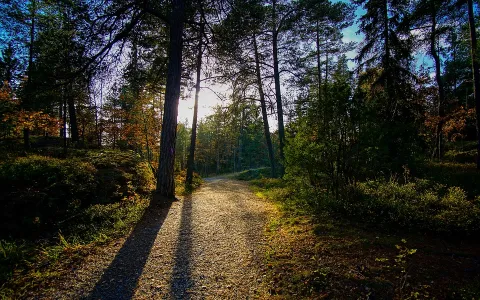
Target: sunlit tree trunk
x=165, y=180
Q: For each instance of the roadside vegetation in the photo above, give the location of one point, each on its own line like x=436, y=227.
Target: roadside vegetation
x=55, y=210
x=388, y=240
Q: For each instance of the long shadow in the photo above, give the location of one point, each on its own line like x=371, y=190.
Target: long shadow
x=182, y=279
x=120, y=278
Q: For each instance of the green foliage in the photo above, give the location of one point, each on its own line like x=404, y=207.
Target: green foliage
x=230, y=140
x=420, y=204
x=41, y=192
x=466, y=292
x=461, y=156
x=69, y=203
x=465, y=176
x=97, y=224
x=37, y=189
x=11, y=253
x=254, y=174
x=184, y=189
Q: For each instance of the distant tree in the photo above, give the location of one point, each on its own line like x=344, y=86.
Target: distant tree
x=476, y=71
x=244, y=59
x=433, y=19
x=386, y=60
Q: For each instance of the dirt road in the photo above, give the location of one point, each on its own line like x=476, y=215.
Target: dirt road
x=209, y=245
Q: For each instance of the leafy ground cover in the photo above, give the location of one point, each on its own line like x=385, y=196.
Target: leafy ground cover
x=326, y=255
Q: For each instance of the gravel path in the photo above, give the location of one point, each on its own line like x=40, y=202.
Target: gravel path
x=206, y=246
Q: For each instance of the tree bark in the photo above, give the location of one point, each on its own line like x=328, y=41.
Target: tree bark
x=476, y=73
x=438, y=79
x=64, y=124
x=72, y=114
x=165, y=181
x=29, y=96
x=193, y=138
x=278, y=95
x=319, y=65
x=263, y=106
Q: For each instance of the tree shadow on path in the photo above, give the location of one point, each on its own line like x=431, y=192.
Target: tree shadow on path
x=120, y=279
x=182, y=281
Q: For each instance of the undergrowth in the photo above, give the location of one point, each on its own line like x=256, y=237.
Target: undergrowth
x=56, y=210
x=254, y=174
x=315, y=253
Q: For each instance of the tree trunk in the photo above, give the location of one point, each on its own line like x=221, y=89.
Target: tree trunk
x=476, y=73
x=326, y=104
x=263, y=105
x=278, y=95
x=165, y=181
x=193, y=138
x=64, y=124
x=438, y=79
x=72, y=114
x=29, y=96
x=319, y=65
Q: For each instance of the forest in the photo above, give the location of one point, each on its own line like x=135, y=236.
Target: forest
x=361, y=114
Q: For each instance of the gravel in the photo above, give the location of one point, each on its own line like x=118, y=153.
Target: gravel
x=209, y=245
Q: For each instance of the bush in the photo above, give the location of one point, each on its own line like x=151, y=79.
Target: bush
x=181, y=188
x=254, y=174
x=420, y=204
x=37, y=189
x=465, y=176
x=461, y=156
x=39, y=192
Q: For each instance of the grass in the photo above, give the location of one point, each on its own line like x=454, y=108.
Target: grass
x=326, y=256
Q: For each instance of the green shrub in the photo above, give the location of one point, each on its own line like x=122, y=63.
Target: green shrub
x=420, y=204
x=11, y=253
x=181, y=188
x=37, y=189
x=254, y=174
x=41, y=192
x=465, y=176
x=67, y=202
x=461, y=156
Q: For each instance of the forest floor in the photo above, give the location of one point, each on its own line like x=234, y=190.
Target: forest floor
x=210, y=244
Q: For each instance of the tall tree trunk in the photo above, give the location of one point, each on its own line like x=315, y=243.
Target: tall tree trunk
x=263, y=105
x=29, y=96
x=165, y=180
x=438, y=79
x=476, y=73
x=320, y=104
x=326, y=104
x=278, y=95
x=386, y=37
x=319, y=65
x=64, y=124
x=72, y=114
x=193, y=138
